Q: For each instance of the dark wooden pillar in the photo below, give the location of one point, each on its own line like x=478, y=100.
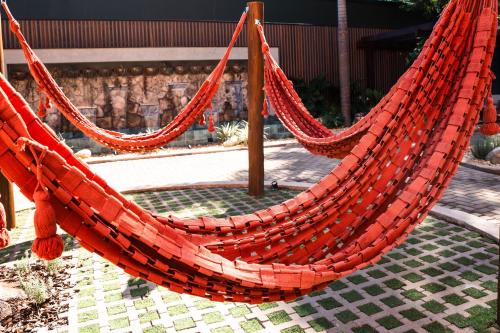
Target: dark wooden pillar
x=6, y=190
x=255, y=101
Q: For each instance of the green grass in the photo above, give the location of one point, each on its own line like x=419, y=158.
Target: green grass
x=143, y=303
x=118, y=323
x=155, y=329
x=251, y=326
x=139, y=292
x=177, y=310
x=184, y=324
x=148, y=316
x=94, y=328
x=433, y=287
x=239, y=311
x=474, y=292
x=213, y=317
x=389, y=322
x=392, y=301
x=413, y=294
x=116, y=309
x=454, y=299
x=346, y=316
x=434, y=307
x=86, y=316
x=279, y=317
x=369, y=309
x=320, y=324
x=352, y=296
x=329, y=303
x=304, y=309
x=412, y=314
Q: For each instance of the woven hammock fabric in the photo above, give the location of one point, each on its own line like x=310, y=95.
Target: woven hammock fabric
x=365, y=207
x=311, y=133
x=115, y=140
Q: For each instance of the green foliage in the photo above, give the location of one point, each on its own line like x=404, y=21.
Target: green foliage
x=429, y=8
x=482, y=145
x=316, y=95
x=415, y=53
x=23, y=266
x=322, y=100
x=333, y=118
x=227, y=131
x=235, y=133
x=54, y=266
x=363, y=100
x=36, y=289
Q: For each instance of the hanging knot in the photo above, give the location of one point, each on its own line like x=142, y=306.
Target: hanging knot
x=48, y=245
x=211, y=126
x=4, y=234
x=490, y=126
x=265, y=48
x=202, y=121
x=15, y=26
x=265, y=109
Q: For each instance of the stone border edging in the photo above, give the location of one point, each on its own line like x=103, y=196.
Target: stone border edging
x=187, y=152
x=490, y=170
x=485, y=228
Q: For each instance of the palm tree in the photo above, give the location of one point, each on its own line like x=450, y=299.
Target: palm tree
x=344, y=67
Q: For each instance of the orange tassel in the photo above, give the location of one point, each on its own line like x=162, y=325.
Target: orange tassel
x=490, y=126
x=265, y=109
x=202, y=120
x=48, y=245
x=42, y=111
x=4, y=234
x=211, y=126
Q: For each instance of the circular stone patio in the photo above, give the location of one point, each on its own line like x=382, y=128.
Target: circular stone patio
x=443, y=279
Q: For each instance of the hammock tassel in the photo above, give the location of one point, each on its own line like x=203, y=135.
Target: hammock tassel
x=48, y=245
x=490, y=126
x=211, y=126
x=265, y=109
x=202, y=121
x=43, y=106
x=4, y=234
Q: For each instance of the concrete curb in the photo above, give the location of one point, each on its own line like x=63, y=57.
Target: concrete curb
x=195, y=151
x=493, y=171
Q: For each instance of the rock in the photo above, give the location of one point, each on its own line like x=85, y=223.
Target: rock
x=494, y=156
x=84, y=153
x=10, y=291
x=5, y=310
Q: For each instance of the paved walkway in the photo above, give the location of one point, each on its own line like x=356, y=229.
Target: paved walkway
x=443, y=279
x=471, y=191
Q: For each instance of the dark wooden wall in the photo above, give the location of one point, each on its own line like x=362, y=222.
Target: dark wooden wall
x=305, y=51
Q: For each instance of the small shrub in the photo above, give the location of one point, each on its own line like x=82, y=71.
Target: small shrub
x=35, y=289
x=333, y=118
x=54, y=266
x=482, y=145
x=227, y=131
x=23, y=265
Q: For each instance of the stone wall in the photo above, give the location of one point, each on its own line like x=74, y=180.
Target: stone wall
x=134, y=98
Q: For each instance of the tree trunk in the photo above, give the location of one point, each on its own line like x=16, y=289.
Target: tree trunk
x=344, y=66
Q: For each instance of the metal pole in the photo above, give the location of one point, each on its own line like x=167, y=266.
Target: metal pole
x=6, y=190
x=255, y=101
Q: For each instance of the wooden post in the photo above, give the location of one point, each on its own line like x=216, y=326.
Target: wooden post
x=255, y=101
x=6, y=190
x=498, y=288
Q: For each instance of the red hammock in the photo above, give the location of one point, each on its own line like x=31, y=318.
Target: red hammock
x=365, y=207
x=119, y=141
x=314, y=135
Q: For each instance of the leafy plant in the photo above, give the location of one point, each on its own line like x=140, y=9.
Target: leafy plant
x=54, y=266
x=429, y=8
x=35, y=289
x=316, y=95
x=482, y=145
x=363, y=100
x=413, y=55
x=23, y=266
x=333, y=118
x=227, y=131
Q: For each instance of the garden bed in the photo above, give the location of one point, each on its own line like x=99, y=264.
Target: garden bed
x=47, y=288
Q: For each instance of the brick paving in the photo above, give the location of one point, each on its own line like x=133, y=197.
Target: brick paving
x=471, y=191
x=443, y=279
